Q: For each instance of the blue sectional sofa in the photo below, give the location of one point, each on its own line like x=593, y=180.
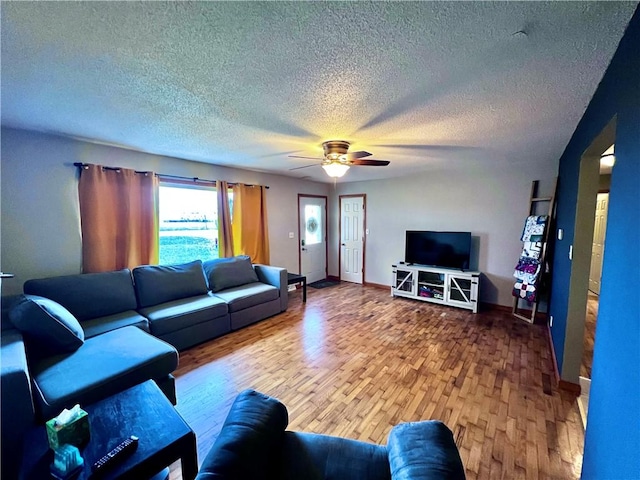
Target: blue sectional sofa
x=81, y=338
x=182, y=304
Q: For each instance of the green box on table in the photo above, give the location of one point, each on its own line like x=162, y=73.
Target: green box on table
x=75, y=433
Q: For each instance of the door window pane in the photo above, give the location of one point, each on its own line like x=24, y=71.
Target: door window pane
x=313, y=225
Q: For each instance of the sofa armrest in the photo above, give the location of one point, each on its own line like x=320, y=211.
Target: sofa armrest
x=277, y=277
x=17, y=403
x=424, y=451
x=251, y=436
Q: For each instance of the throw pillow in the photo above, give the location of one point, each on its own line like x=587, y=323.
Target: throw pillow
x=47, y=323
x=232, y=272
x=156, y=284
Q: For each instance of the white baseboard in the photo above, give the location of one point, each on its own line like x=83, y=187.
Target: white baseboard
x=583, y=399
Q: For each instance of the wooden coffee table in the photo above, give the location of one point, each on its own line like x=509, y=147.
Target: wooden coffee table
x=142, y=411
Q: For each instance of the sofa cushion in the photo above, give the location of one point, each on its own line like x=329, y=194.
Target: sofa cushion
x=88, y=295
x=186, y=312
x=98, y=326
x=104, y=365
x=246, y=296
x=312, y=456
x=225, y=273
x=47, y=323
x=155, y=284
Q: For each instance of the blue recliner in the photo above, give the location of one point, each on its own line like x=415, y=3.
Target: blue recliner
x=254, y=444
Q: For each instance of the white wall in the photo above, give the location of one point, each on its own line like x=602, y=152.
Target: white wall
x=40, y=234
x=492, y=205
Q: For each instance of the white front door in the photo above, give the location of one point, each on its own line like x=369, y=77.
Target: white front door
x=313, y=237
x=599, y=231
x=352, y=238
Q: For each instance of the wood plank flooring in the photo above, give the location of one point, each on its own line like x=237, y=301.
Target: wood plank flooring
x=589, y=335
x=353, y=362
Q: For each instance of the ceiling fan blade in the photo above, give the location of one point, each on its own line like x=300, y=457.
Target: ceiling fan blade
x=308, y=158
x=280, y=154
x=371, y=163
x=305, y=166
x=360, y=154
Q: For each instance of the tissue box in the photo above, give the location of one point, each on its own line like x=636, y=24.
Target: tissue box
x=75, y=433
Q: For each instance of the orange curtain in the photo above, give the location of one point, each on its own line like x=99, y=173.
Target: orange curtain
x=119, y=218
x=225, y=234
x=250, y=232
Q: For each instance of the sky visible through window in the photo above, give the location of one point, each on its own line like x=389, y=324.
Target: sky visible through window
x=188, y=224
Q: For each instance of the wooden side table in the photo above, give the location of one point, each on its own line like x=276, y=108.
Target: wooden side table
x=295, y=278
x=142, y=411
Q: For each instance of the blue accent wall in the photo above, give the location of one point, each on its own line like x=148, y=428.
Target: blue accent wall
x=612, y=439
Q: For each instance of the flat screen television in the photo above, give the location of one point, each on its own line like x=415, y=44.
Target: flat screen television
x=438, y=249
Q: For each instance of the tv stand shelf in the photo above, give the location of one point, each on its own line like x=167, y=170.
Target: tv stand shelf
x=454, y=288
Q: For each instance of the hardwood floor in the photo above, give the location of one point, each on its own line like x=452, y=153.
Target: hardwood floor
x=353, y=362
x=589, y=335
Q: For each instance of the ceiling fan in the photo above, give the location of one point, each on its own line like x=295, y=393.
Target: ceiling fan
x=337, y=159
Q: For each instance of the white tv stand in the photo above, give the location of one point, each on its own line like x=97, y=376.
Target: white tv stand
x=454, y=288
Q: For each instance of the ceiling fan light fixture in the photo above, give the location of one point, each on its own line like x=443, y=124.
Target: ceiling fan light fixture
x=335, y=169
x=336, y=157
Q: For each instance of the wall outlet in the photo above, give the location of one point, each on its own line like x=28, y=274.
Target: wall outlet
x=291, y=235
x=551, y=320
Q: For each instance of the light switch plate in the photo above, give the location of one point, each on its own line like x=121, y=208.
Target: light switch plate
x=366, y=232
x=291, y=235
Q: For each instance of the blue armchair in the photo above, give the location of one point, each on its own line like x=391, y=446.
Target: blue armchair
x=254, y=444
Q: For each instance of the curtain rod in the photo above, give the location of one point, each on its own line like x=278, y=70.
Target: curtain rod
x=161, y=175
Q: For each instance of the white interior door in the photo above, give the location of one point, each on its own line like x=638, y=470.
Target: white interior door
x=599, y=231
x=313, y=237
x=352, y=239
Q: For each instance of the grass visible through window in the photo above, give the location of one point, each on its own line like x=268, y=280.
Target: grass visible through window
x=188, y=224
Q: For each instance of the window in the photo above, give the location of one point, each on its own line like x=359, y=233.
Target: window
x=188, y=223
x=313, y=230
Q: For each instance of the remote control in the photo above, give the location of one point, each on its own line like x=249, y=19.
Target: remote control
x=114, y=456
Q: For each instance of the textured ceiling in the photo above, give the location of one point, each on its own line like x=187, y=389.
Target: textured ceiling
x=426, y=85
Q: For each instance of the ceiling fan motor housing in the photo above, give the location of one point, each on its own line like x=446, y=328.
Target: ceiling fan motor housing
x=335, y=150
